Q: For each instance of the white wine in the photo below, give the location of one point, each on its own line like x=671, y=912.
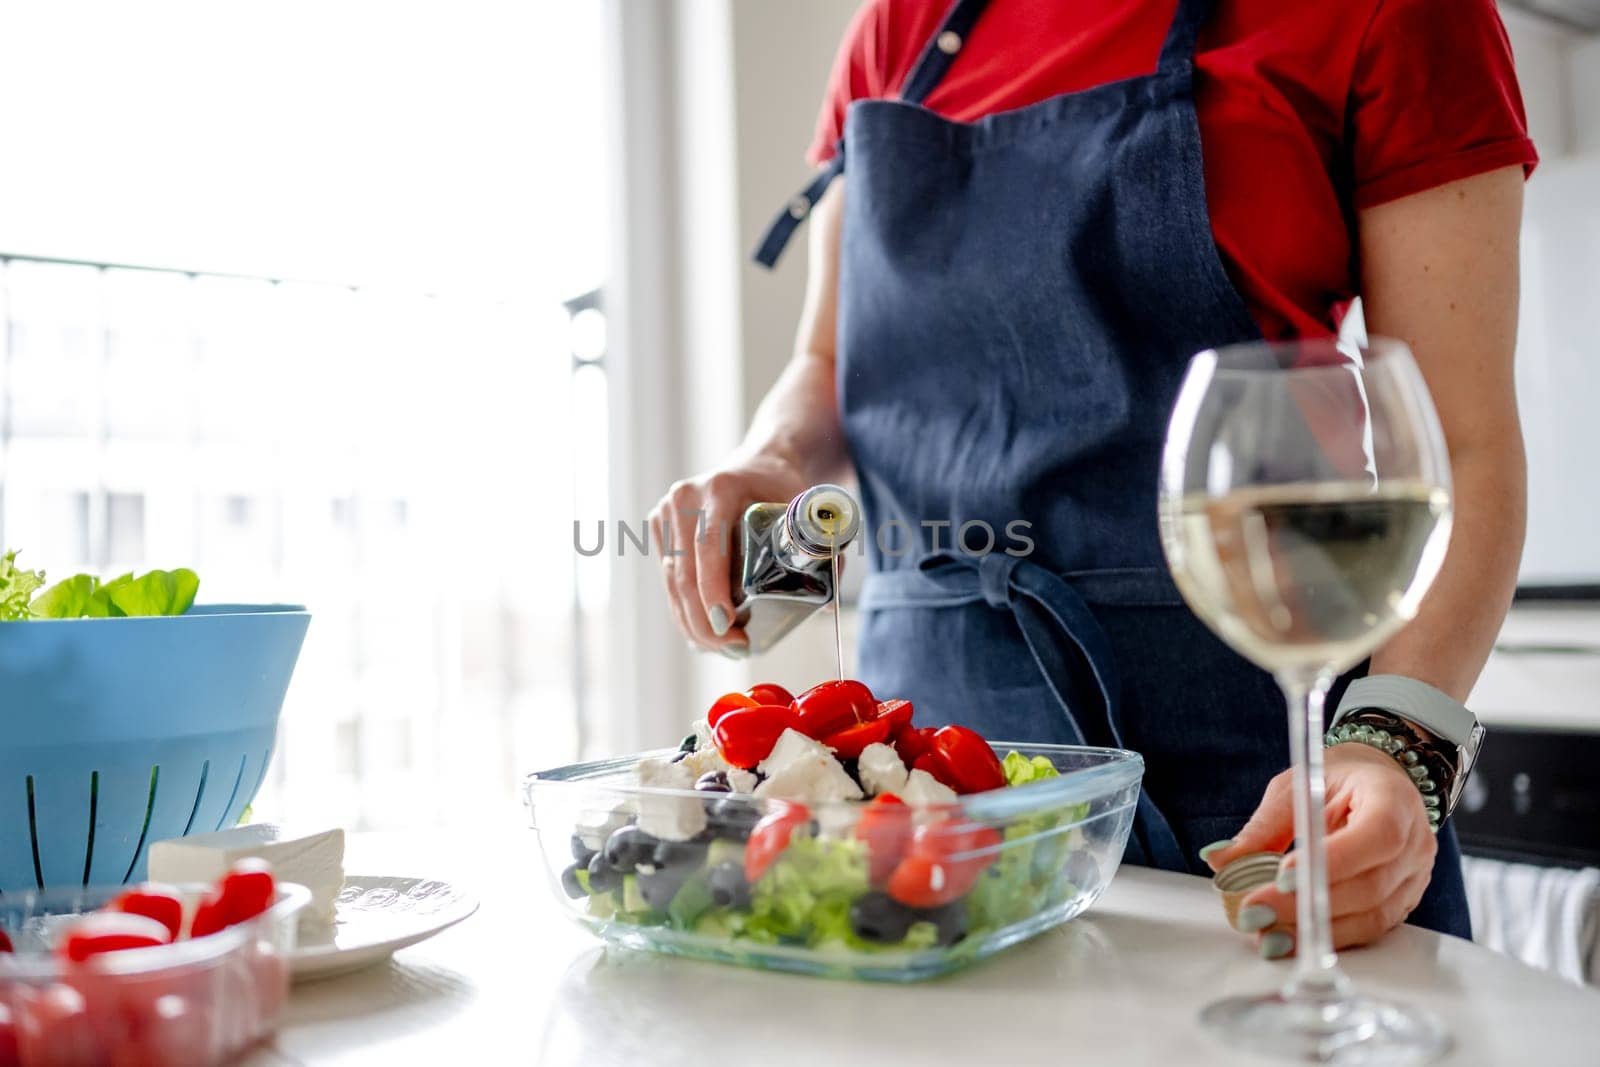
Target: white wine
x=1307, y=576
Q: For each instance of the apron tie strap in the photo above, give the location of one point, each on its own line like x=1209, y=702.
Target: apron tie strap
x=1062, y=634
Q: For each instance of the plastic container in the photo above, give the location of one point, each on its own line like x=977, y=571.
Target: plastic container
x=1059, y=843
x=190, y=1002
x=118, y=732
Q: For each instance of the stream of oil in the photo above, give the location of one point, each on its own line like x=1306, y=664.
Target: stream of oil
x=838, y=606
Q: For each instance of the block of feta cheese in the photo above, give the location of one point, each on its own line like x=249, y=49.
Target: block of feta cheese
x=705, y=760
x=742, y=781
x=924, y=790
x=881, y=771
x=669, y=818
x=805, y=771
x=314, y=859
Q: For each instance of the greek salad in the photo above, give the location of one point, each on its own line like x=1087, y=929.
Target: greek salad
x=826, y=819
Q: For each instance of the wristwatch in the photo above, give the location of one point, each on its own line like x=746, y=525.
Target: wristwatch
x=1438, y=736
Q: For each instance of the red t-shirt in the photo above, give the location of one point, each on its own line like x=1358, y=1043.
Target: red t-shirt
x=1308, y=111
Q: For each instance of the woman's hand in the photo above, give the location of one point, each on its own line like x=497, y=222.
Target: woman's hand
x=694, y=527
x=1380, y=851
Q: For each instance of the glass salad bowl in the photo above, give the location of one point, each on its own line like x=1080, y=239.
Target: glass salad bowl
x=198, y=1001
x=997, y=867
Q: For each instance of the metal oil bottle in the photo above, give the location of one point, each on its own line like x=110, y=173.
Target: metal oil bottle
x=788, y=566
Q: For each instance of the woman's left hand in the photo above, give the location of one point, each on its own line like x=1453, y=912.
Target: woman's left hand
x=1380, y=851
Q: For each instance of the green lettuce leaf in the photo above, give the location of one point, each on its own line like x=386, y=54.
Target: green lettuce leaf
x=16, y=588
x=1020, y=770
x=85, y=596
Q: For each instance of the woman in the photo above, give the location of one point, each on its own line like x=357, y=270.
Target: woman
x=1028, y=215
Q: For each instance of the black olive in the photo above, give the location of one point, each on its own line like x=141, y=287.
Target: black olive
x=880, y=918
x=602, y=876
x=713, y=782
x=853, y=769
x=728, y=886
x=679, y=854
x=689, y=743
x=950, y=921
x=581, y=852
x=570, y=883
x=629, y=847
x=659, y=888
x=734, y=817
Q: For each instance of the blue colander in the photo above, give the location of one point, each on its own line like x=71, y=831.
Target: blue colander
x=118, y=732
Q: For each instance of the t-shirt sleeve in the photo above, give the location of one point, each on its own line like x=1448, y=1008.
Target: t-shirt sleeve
x=860, y=71
x=1434, y=98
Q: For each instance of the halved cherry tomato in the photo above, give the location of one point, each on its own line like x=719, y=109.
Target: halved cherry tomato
x=5, y=942
x=110, y=931
x=154, y=901
x=745, y=736
x=898, y=712
x=209, y=916
x=828, y=707
x=768, y=693
x=848, y=743
x=969, y=763
x=770, y=836
x=912, y=743
x=246, y=890
x=885, y=827
x=944, y=863
x=728, y=702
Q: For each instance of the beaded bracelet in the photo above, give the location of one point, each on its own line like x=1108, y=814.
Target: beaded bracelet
x=1388, y=743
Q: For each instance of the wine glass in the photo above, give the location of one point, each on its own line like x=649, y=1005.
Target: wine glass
x=1305, y=510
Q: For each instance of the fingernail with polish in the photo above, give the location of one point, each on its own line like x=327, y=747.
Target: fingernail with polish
x=1215, y=846
x=718, y=617
x=1284, y=883
x=1276, y=945
x=1256, y=917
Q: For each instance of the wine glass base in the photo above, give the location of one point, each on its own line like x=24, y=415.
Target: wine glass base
x=1338, y=1029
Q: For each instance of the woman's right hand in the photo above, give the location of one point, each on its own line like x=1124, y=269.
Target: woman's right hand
x=695, y=525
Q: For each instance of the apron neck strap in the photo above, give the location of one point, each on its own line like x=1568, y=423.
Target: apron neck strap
x=941, y=51
x=1178, y=51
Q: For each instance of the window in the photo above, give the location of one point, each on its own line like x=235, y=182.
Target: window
x=401, y=447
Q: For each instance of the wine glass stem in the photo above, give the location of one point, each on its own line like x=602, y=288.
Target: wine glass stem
x=1316, y=967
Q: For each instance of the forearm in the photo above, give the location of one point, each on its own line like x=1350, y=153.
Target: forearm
x=1448, y=642
x=798, y=422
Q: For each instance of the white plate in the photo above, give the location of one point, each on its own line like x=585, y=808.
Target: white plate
x=376, y=918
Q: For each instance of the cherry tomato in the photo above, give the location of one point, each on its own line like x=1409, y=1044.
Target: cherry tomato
x=745, y=736
x=829, y=707
x=109, y=931
x=53, y=1026
x=246, y=890
x=209, y=916
x=767, y=693
x=898, y=712
x=9, y=1052
x=911, y=743
x=5, y=944
x=944, y=863
x=885, y=828
x=969, y=763
x=728, y=702
x=154, y=901
x=848, y=743
x=770, y=836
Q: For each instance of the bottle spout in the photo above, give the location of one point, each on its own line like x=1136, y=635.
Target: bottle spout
x=822, y=520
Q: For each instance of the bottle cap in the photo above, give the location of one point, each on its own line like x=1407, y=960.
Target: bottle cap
x=823, y=520
x=1242, y=877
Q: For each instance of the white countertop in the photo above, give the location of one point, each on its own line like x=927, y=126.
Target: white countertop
x=518, y=983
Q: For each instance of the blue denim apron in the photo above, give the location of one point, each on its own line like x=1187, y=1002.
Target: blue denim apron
x=1018, y=298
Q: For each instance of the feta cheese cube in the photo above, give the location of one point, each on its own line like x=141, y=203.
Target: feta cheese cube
x=814, y=778
x=792, y=747
x=704, y=760
x=742, y=781
x=881, y=770
x=924, y=790
x=314, y=860
x=669, y=818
